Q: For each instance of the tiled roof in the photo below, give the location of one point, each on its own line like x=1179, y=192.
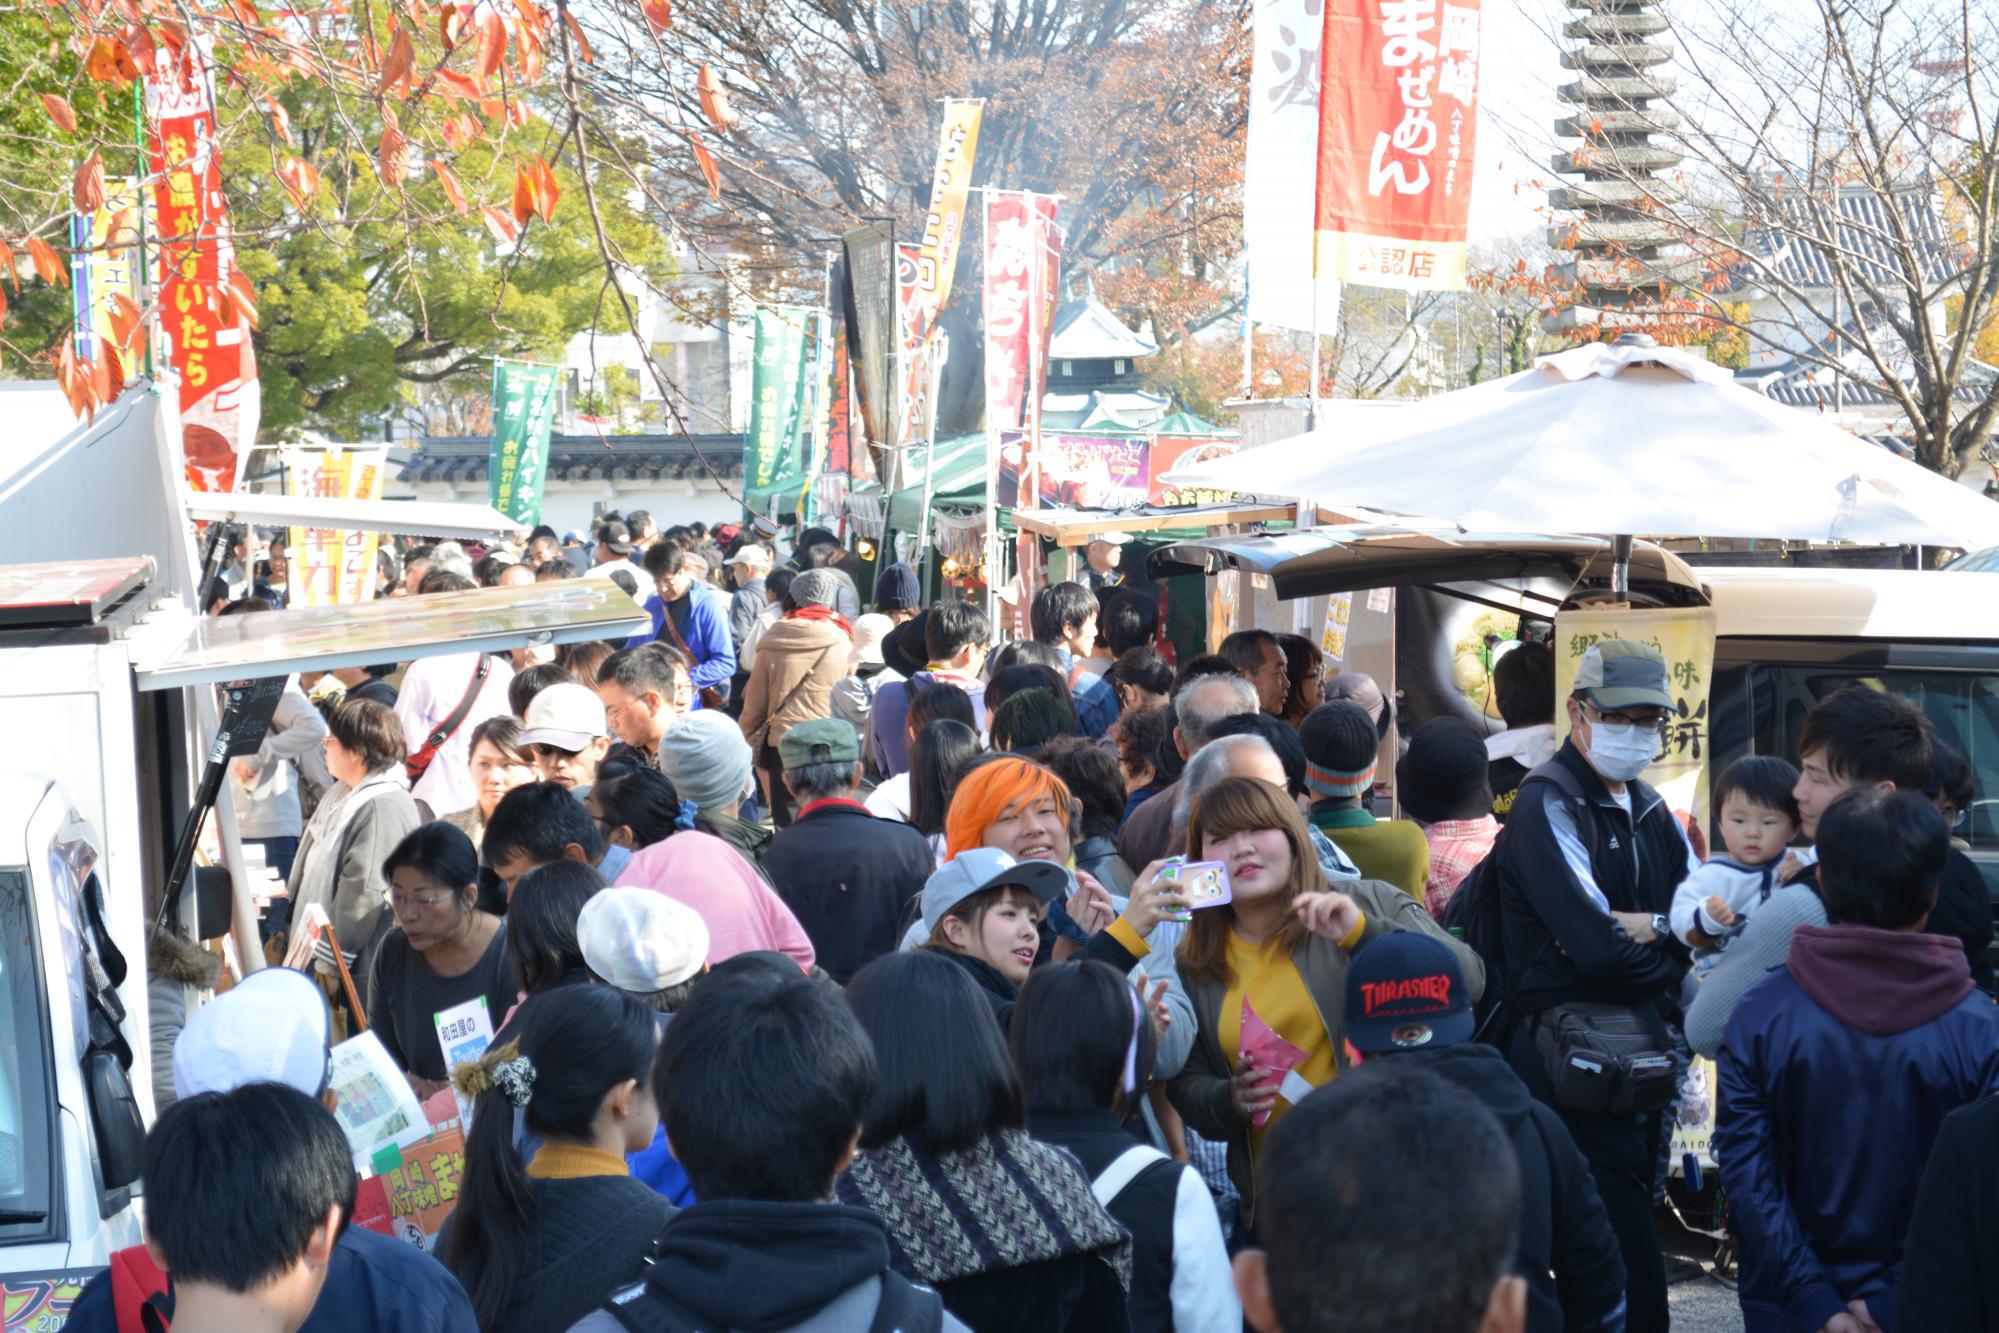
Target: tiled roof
x=1109, y=409
x=1801, y=384
x=463, y=458
x=1864, y=237
x=1086, y=330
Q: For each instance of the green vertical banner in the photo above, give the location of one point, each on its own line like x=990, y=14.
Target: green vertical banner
x=523, y=415
x=774, y=462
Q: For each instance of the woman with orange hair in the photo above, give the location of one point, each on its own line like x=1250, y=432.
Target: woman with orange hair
x=1013, y=805
x=1267, y=971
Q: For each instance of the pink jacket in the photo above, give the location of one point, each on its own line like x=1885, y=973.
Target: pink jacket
x=743, y=913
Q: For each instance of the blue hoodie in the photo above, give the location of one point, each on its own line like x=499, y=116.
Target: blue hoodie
x=888, y=726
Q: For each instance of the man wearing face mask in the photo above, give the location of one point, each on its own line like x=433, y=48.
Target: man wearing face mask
x=1586, y=871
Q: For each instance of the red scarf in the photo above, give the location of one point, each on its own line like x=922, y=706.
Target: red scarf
x=821, y=613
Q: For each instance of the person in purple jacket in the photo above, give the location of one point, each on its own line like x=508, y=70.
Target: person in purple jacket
x=955, y=635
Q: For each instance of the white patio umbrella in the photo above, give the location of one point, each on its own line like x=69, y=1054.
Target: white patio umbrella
x=1620, y=439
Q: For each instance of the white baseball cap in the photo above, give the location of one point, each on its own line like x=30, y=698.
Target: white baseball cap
x=270, y=1027
x=568, y=716
x=752, y=555
x=640, y=940
x=869, y=631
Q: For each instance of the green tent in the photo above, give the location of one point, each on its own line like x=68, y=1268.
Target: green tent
x=959, y=478
x=1186, y=423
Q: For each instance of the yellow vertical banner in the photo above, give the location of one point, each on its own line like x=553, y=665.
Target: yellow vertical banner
x=1684, y=636
x=333, y=565
x=944, y=224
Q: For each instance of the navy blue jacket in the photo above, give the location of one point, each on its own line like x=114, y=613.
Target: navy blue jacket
x=1836, y=1073
x=375, y=1284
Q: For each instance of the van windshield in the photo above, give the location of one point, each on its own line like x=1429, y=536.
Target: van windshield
x=27, y=1173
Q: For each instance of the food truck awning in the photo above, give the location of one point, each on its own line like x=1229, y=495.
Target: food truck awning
x=429, y=518
x=1342, y=558
x=392, y=629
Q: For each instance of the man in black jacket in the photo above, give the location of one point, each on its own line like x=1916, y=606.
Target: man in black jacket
x=847, y=876
x=1586, y=874
x=1407, y=1003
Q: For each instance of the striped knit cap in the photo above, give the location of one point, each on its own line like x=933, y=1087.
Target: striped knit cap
x=1340, y=749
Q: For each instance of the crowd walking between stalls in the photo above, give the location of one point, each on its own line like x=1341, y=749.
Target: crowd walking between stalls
x=850, y=968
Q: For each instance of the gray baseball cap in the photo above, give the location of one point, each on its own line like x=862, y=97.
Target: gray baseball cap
x=1618, y=673
x=977, y=869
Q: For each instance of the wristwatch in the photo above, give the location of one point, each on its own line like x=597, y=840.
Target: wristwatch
x=1661, y=927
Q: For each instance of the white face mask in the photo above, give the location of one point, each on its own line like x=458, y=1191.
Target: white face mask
x=1622, y=758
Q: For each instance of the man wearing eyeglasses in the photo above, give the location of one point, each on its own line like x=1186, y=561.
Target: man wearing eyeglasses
x=1586, y=871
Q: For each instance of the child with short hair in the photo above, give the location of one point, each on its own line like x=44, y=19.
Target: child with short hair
x=1759, y=818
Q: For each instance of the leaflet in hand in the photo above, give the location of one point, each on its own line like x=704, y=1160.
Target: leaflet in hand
x=376, y=1107
x=1277, y=1058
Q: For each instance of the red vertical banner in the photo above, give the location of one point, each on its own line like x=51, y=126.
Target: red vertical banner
x=207, y=339
x=839, y=404
x=913, y=327
x=1023, y=258
x=1398, y=113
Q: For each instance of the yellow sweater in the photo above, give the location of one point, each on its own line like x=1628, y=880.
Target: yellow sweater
x=1266, y=977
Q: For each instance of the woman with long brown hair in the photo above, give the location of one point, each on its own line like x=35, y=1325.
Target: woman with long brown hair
x=1266, y=972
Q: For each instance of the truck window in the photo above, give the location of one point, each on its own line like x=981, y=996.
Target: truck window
x=27, y=1089
x=1963, y=706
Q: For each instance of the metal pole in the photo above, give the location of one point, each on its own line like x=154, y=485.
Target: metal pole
x=1620, y=569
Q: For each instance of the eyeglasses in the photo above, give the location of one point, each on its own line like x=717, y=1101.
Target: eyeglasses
x=1617, y=724
x=411, y=904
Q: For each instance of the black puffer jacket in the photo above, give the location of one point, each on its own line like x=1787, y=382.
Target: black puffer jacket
x=1564, y=1229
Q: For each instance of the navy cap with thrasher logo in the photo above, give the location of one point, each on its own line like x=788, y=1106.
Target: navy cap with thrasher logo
x=1406, y=991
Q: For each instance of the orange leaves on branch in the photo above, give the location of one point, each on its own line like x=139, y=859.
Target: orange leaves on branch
x=449, y=180
x=461, y=130
x=105, y=62
x=124, y=318
x=503, y=227
x=399, y=66
x=87, y=190
x=246, y=13
x=519, y=113
x=529, y=46
x=7, y=258
x=451, y=24
x=715, y=100
x=583, y=50
x=535, y=191
x=493, y=107
x=659, y=13
x=235, y=302
x=706, y=161
x=301, y=181
x=392, y=160
x=281, y=120
x=48, y=265
x=459, y=85
x=80, y=380
x=60, y=112
x=492, y=44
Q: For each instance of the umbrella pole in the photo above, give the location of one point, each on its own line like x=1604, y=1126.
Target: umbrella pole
x=1620, y=569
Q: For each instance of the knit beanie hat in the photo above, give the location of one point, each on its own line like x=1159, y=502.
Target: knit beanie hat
x=1340, y=744
x=815, y=587
x=1443, y=771
x=706, y=758
x=896, y=588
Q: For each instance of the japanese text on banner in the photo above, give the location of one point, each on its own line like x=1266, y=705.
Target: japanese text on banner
x=523, y=416
x=1398, y=117
x=1685, y=638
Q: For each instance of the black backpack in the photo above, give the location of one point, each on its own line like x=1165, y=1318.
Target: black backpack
x=905, y=1307
x=1474, y=910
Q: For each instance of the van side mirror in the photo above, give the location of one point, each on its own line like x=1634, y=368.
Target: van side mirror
x=114, y=1114
x=213, y=897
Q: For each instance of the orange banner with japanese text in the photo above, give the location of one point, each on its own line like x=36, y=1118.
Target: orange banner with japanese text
x=202, y=320
x=334, y=565
x=1398, y=112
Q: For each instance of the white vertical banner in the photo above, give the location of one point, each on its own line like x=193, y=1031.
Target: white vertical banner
x=1281, y=168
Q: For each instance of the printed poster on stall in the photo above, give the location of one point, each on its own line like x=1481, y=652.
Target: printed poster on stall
x=1684, y=636
x=1333, y=639
x=1082, y=471
x=411, y=1199
x=523, y=415
x=334, y=566
x=1398, y=113
x=1171, y=451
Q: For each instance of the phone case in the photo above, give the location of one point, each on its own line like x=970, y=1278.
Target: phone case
x=1206, y=883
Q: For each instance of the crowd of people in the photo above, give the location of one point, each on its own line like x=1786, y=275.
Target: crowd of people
x=848, y=973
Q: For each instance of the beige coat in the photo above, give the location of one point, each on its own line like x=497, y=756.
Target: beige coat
x=798, y=664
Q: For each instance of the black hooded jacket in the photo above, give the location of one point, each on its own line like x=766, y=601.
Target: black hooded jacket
x=1563, y=1226
x=758, y=1267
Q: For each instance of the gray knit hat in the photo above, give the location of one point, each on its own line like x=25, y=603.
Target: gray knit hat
x=707, y=760
x=815, y=587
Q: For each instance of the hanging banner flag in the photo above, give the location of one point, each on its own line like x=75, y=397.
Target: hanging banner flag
x=523, y=416
x=1276, y=195
x=840, y=453
x=330, y=566
x=1023, y=255
x=207, y=339
x=774, y=464
x=950, y=186
x=105, y=263
x=1171, y=451
x=1396, y=125
x=871, y=326
x=912, y=418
